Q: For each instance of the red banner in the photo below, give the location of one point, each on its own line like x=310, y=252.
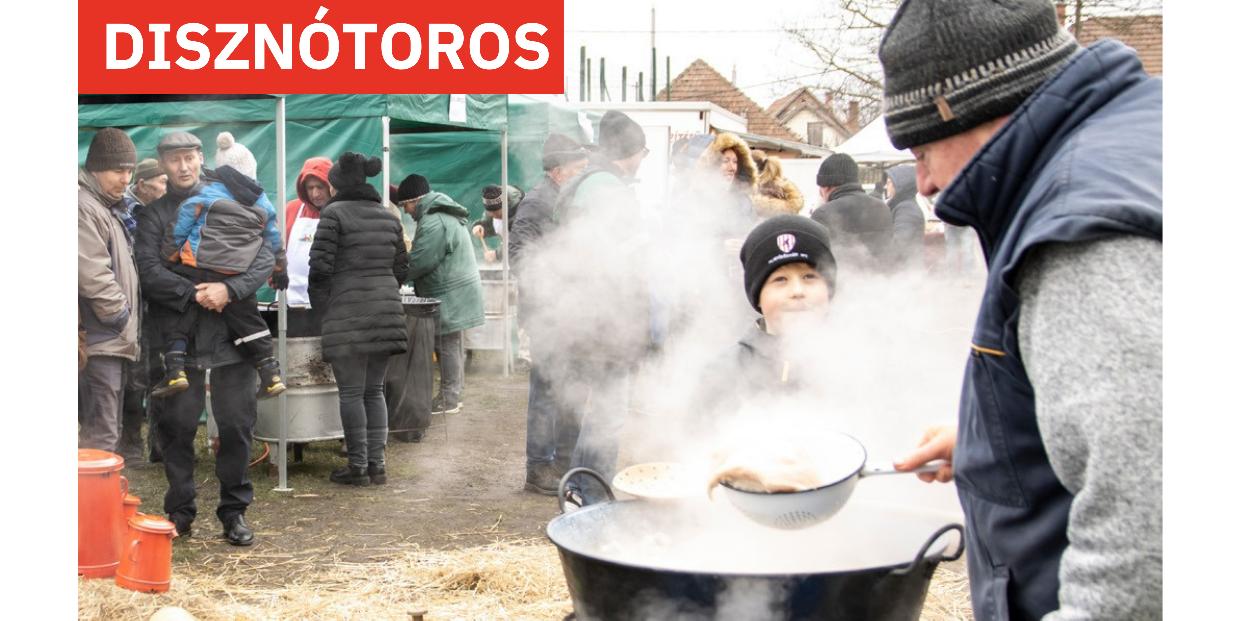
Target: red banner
x=318, y=46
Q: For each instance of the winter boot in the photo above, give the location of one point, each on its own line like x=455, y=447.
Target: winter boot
x=269, y=378
x=542, y=479
x=174, y=380
x=377, y=474
x=350, y=475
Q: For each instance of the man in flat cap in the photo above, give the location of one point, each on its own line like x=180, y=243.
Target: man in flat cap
x=1052, y=154
x=108, y=305
x=149, y=184
x=233, y=377
x=550, y=432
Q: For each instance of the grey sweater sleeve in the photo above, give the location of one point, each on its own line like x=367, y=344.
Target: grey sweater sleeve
x=1090, y=334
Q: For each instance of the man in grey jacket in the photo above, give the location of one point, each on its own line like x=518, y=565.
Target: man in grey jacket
x=1052, y=154
x=107, y=286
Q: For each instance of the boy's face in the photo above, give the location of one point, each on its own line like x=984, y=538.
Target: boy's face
x=793, y=288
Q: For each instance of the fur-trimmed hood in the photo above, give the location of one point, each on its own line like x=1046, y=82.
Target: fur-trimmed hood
x=774, y=194
x=747, y=173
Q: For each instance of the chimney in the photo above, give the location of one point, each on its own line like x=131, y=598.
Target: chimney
x=733, y=79
x=1061, y=13
x=851, y=122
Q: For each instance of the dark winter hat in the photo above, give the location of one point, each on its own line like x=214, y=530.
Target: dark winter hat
x=784, y=239
x=110, y=149
x=178, y=140
x=560, y=149
x=412, y=187
x=837, y=169
x=950, y=65
x=147, y=169
x=492, y=199
x=619, y=136
x=352, y=170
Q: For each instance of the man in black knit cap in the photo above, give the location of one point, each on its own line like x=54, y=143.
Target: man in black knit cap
x=1052, y=153
x=860, y=225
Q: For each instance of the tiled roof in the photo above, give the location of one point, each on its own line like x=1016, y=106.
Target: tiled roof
x=804, y=99
x=1144, y=33
x=699, y=82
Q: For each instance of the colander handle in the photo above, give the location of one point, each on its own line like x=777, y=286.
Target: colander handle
x=918, y=558
x=560, y=489
x=133, y=551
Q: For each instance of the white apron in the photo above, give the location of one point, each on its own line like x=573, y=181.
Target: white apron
x=300, y=238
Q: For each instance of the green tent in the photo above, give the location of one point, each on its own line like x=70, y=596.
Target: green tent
x=326, y=125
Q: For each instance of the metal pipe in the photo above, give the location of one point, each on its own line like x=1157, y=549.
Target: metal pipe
x=640, y=87
x=504, y=239
x=588, y=79
x=581, y=72
x=282, y=306
x=625, y=85
x=668, y=86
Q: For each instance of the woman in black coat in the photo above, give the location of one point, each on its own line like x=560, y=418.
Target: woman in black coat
x=357, y=262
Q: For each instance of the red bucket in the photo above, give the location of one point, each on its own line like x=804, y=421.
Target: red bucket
x=146, y=564
x=101, y=489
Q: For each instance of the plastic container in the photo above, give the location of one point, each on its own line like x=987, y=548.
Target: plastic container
x=129, y=508
x=101, y=490
x=146, y=564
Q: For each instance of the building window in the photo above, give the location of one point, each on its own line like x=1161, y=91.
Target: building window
x=815, y=134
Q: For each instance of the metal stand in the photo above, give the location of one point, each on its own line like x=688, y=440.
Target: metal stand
x=282, y=308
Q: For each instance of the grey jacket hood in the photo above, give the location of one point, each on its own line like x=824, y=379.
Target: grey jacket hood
x=905, y=182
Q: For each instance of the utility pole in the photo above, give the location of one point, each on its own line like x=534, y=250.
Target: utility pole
x=581, y=72
x=603, y=85
x=625, y=85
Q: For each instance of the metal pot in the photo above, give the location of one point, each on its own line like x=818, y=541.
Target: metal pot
x=702, y=560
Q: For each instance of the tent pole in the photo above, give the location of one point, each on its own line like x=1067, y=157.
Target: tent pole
x=387, y=175
x=504, y=242
x=282, y=307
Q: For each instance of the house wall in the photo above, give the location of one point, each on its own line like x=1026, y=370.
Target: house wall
x=798, y=122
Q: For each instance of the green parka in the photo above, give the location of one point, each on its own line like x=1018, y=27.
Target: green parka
x=442, y=263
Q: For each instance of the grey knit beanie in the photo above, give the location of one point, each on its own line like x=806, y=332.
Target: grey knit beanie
x=951, y=65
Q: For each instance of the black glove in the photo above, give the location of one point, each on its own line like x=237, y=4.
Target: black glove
x=280, y=280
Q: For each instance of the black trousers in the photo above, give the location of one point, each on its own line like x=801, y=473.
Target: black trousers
x=246, y=326
x=233, y=404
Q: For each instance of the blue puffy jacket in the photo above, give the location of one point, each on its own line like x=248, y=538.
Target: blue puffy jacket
x=221, y=226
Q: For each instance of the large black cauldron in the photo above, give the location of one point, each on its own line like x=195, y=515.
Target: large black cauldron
x=702, y=560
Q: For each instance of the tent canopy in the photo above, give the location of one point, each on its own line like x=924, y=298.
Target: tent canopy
x=315, y=125
x=871, y=146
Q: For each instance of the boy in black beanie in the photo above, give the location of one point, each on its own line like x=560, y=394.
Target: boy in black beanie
x=789, y=275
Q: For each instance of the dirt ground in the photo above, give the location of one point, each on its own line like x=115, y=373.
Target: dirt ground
x=458, y=489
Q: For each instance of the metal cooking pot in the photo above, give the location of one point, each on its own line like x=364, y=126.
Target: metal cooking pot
x=699, y=559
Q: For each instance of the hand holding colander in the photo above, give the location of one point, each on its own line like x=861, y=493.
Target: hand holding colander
x=791, y=510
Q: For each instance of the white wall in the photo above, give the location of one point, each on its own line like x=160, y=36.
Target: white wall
x=800, y=120
x=802, y=172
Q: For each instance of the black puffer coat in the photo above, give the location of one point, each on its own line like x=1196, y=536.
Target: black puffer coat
x=357, y=261
x=860, y=226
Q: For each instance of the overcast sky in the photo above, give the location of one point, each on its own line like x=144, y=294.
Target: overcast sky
x=743, y=34
x=725, y=33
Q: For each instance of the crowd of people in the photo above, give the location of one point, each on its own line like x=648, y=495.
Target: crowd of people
x=1018, y=132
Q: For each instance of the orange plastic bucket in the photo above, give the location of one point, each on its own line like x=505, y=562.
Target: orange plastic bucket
x=129, y=508
x=146, y=564
x=101, y=489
